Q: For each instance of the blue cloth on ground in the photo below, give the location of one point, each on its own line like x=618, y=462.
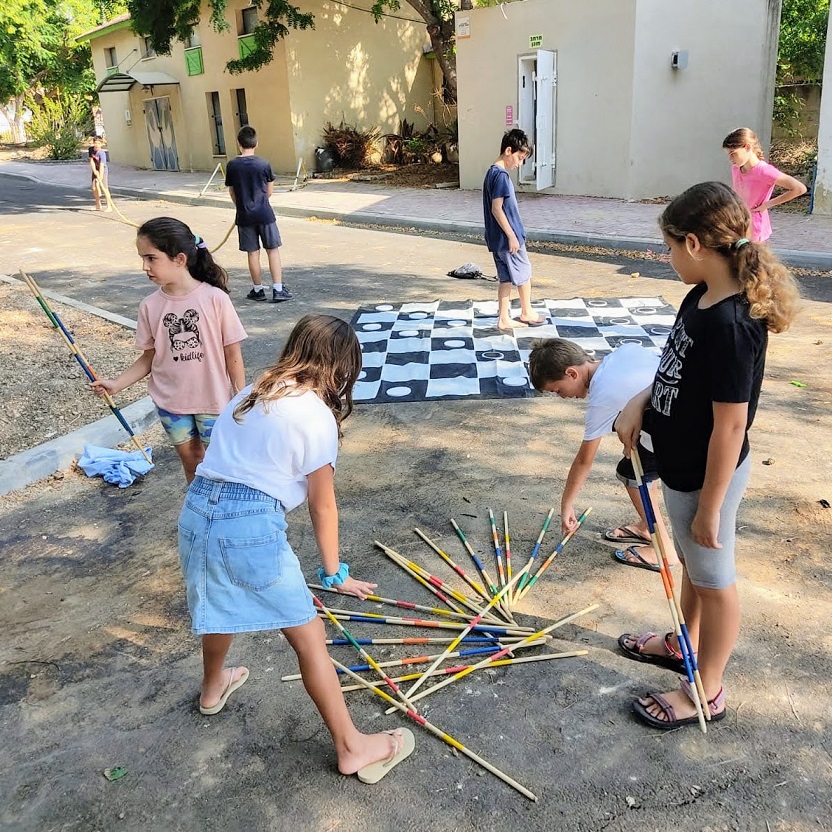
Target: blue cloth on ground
x=117, y=467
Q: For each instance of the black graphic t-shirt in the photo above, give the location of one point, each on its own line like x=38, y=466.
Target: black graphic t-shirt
x=712, y=355
x=250, y=176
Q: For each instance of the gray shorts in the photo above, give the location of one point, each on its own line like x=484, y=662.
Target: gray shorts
x=250, y=236
x=708, y=568
x=513, y=268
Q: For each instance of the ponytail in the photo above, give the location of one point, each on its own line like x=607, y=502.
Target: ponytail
x=740, y=138
x=173, y=237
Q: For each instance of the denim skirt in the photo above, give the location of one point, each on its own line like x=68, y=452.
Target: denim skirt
x=240, y=573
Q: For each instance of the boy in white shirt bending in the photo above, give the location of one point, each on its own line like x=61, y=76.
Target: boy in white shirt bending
x=560, y=366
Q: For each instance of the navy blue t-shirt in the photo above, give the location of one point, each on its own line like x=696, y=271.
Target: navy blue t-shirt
x=712, y=355
x=498, y=184
x=250, y=176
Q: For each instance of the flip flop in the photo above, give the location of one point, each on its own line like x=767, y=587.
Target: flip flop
x=620, y=556
x=628, y=537
x=232, y=686
x=667, y=710
x=375, y=771
x=672, y=660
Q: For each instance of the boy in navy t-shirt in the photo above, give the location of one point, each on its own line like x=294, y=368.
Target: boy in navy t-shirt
x=504, y=232
x=250, y=183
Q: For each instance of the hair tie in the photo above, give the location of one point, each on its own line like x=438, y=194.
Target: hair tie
x=329, y=581
x=200, y=243
x=741, y=242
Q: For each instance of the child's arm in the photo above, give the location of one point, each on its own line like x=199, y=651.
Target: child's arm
x=578, y=472
x=505, y=225
x=135, y=372
x=724, y=448
x=232, y=195
x=793, y=188
x=269, y=189
x=628, y=423
x=324, y=513
x=234, y=366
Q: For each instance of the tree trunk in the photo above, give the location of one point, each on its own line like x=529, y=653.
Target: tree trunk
x=13, y=111
x=441, y=33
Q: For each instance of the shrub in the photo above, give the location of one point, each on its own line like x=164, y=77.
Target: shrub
x=352, y=146
x=58, y=125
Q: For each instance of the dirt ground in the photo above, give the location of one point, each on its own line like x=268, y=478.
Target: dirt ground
x=97, y=668
x=39, y=376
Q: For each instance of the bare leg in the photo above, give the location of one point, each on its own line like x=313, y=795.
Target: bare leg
x=254, y=266
x=504, y=306
x=526, y=312
x=354, y=749
x=214, y=676
x=191, y=454
x=275, y=266
x=96, y=195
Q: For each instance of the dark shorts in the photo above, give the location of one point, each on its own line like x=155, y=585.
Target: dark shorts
x=625, y=473
x=513, y=268
x=251, y=235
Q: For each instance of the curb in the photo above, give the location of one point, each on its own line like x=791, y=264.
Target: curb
x=58, y=454
x=817, y=260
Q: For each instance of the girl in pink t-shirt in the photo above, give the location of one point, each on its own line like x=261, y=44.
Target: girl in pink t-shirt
x=754, y=180
x=189, y=334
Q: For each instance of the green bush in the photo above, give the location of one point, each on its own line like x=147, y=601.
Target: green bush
x=58, y=125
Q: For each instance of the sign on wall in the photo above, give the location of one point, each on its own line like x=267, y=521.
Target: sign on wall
x=463, y=28
x=509, y=115
x=535, y=41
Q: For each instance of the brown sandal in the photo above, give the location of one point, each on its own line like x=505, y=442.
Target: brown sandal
x=672, y=659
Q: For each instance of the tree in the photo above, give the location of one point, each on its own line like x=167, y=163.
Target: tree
x=38, y=52
x=166, y=20
x=802, y=40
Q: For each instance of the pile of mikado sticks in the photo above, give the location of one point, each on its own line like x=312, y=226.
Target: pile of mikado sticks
x=484, y=625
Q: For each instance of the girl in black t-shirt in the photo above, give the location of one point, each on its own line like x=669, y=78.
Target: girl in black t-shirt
x=698, y=411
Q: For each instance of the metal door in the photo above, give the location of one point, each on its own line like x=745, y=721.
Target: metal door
x=160, y=134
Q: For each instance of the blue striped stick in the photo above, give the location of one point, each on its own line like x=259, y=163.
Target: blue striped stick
x=535, y=552
x=679, y=625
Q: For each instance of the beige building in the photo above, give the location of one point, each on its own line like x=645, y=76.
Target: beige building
x=622, y=98
x=182, y=111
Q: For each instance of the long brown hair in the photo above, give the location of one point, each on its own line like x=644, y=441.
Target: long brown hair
x=740, y=138
x=721, y=221
x=321, y=354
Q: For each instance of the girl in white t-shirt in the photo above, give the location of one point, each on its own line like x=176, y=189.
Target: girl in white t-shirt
x=189, y=334
x=273, y=448
x=755, y=180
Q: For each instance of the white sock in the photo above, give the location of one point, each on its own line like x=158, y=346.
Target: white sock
x=278, y=287
x=256, y=286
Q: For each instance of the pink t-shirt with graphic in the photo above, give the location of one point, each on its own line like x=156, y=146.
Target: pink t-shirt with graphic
x=755, y=188
x=188, y=374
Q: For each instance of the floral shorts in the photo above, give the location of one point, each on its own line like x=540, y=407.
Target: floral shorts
x=181, y=429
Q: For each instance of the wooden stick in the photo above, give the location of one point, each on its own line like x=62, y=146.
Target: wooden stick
x=508, y=555
x=79, y=356
x=545, y=565
x=446, y=671
x=482, y=570
x=426, y=579
x=679, y=625
x=474, y=623
x=343, y=642
x=485, y=629
x=441, y=734
x=498, y=552
x=475, y=585
x=363, y=653
x=545, y=631
x=535, y=550
x=405, y=605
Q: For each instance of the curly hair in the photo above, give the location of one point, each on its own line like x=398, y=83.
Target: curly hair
x=321, y=354
x=720, y=220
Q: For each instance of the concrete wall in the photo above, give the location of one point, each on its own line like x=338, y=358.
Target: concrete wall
x=347, y=67
x=680, y=117
x=594, y=44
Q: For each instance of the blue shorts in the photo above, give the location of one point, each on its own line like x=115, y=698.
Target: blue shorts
x=513, y=268
x=183, y=428
x=240, y=573
x=251, y=235
x=708, y=568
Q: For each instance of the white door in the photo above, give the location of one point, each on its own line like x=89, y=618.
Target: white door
x=544, y=138
x=526, y=113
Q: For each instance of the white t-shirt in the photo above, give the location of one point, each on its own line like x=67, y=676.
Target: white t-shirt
x=275, y=447
x=623, y=373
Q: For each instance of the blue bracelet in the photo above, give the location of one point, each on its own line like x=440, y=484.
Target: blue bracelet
x=329, y=581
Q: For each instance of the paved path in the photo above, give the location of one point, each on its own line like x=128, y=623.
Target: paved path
x=802, y=240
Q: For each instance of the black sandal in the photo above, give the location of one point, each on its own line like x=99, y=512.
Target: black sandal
x=672, y=660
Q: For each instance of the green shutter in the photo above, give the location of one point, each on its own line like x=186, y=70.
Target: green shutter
x=193, y=61
x=246, y=45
